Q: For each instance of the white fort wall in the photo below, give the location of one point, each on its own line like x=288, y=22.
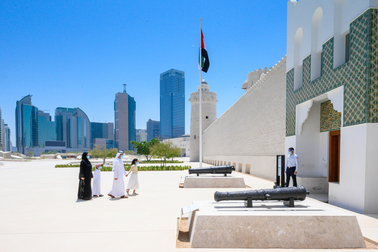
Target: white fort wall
x=251, y=132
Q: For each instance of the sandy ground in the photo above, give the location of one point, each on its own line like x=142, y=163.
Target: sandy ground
x=39, y=211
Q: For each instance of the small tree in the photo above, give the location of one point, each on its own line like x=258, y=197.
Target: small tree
x=165, y=150
x=103, y=153
x=175, y=152
x=144, y=148
x=29, y=154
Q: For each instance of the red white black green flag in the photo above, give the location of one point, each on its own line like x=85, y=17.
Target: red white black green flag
x=204, y=62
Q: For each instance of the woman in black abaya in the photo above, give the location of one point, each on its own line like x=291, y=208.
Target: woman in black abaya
x=85, y=177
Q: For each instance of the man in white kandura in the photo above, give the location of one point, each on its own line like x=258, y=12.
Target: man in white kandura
x=118, y=188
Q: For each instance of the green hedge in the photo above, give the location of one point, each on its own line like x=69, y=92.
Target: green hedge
x=152, y=168
x=140, y=168
x=159, y=161
x=66, y=165
x=164, y=168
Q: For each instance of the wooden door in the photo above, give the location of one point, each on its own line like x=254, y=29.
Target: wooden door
x=334, y=156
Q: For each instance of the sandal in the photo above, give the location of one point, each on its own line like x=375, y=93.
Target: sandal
x=124, y=197
x=111, y=195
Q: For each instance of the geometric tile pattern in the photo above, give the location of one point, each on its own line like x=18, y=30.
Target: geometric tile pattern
x=359, y=76
x=372, y=93
x=330, y=119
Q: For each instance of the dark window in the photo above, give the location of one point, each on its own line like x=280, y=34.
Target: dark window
x=347, y=47
x=194, y=136
x=207, y=117
x=321, y=63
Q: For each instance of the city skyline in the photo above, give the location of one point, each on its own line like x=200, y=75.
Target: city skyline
x=79, y=54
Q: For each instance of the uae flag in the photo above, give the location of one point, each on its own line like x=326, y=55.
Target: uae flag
x=204, y=62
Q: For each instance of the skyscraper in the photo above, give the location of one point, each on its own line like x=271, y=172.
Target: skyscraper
x=73, y=127
x=172, y=104
x=102, y=134
x=26, y=124
x=46, y=128
x=153, y=128
x=124, y=119
x=7, y=143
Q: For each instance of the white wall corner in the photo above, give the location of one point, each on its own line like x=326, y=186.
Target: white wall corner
x=336, y=96
x=301, y=112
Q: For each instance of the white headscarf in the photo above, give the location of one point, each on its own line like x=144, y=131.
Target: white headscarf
x=118, y=154
x=117, y=158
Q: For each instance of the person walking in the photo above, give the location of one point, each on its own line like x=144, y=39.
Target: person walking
x=96, y=188
x=118, y=188
x=291, y=167
x=85, y=177
x=133, y=181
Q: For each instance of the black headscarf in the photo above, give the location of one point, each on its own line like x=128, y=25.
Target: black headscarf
x=84, y=157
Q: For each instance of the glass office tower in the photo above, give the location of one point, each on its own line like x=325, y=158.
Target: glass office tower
x=46, y=128
x=26, y=124
x=153, y=128
x=103, y=131
x=73, y=127
x=172, y=104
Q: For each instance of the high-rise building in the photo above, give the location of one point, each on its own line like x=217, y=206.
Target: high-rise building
x=2, y=133
x=26, y=124
x=141, y=135
x=102, y=134
x=153, y=129
x=46, y=128
x=172, y=104
x=73, y=127
x=7, y=142
x=124, y=118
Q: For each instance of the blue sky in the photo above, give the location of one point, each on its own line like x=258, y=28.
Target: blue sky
x=79, y=53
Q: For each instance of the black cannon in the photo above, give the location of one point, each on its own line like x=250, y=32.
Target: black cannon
x=226, y=169
x=287, y=194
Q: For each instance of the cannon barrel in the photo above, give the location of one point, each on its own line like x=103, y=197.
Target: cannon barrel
x=225, y=169
x=282, y=193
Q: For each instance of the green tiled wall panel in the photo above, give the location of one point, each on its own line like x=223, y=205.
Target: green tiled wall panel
x=359, y=76
x=330, y=119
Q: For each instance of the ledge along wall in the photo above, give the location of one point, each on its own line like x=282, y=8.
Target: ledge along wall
x=251, y=132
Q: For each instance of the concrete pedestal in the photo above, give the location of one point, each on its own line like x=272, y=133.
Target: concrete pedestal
x=309, y=225
x=213, y=181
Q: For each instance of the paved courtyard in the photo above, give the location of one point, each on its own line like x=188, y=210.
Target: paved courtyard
x=39, y=210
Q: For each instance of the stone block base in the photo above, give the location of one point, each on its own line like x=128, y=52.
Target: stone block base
x=214, y=181
x=313, y=184
x=309, y=225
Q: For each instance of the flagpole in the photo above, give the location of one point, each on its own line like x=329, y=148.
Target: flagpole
x=200, y=103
